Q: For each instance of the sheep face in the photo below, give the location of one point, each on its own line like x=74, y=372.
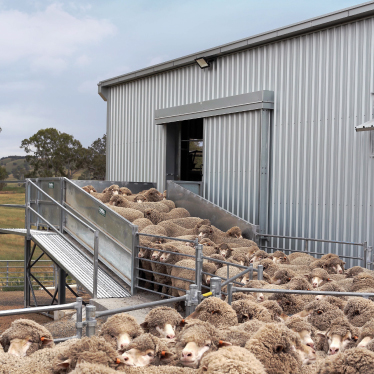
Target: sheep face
x=153, y=195
x=258, y=256
x=259, y=296
x=138, y=358
x=235, y=232
x=224, y=250
x=306, y=338
x=124, y=191
x=306, y=353
x=280, y=258
x=336, y=342
x=165, y=257
x=143, y=253
x=365, y=341
x=192, y=353
x=205, y=232
x=19, y=347
x=155, y=255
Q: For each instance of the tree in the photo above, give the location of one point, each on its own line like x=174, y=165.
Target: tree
x=3, y=176
x=53, y=154
x=96, y=158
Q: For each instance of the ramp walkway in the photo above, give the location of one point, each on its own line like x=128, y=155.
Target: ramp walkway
x=74, y=262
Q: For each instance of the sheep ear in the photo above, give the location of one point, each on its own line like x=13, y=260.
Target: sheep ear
x=329, y=280
x=343, y=262
x=64, y=364
x=204, y=368
x=223, y=343
x=321, y=333
x=183, y=323
x=165, y=355
x=46, y=342
x=144, y=325
x=193, y=315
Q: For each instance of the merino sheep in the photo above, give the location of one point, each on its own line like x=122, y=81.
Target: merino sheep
x=279, y=257
x=119, y=330
x=157, y=217
x=107, y=195
x=302, y=260
x=291, y=304
x=303, y=328
x=274, y=309
x=254, y=283
x=283, y=276
x=332, y=287
x=160, y=273
x=359, y=311
x=121, y=201
x=89, y=188
x=163, y=322
x=224, y=250
x=95, y=350
x=187, y=222
x=299, y=283
x=334, y=265
x=356, y=360
x=273, y=345
x=142, y=223
x=247, y=310
x=259, y=255
x=196, y=339
x=355, y=270
x=319, y=277
x=366, y=334
x=216, y=312
x=361, y=282
x=25, y=337
x=145, y=350
x=128, y=213
x=231, y=360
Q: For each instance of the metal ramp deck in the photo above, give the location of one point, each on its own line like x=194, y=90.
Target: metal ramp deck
x=75, y=263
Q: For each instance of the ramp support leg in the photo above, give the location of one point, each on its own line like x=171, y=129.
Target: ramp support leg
x=27, y=273
x=61, y=286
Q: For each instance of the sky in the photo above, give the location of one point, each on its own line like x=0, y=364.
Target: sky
x=53, y=54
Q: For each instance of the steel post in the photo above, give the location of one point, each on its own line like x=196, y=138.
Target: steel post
x=95, y=263
x=90, y=320
x=365, y=261
x=229, y=292
x=370, y=258
x=79, y=323
x=251, y=272
x=62, y=212
x=215, y=286
x=135, y=260
x=61, y=286
x=27, y=270
x=260, y=272
x=306, y=246
x=199, y=266
x=193, y=297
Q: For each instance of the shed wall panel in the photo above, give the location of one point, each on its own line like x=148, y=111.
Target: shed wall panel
x=321, y=180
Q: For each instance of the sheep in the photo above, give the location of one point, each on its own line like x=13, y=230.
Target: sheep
x=172, y=258
x=187, y=222
x=259, y=255
x=317, y=264
x=240, y=334
x=163, y=322
x=247, y=251
x=247, y=310
x=341, y=335
x=152, y=195
x=355, y=270
x=107, y=195
x=239, y=258
x=159, y=269
x=254, y=283
x=366, y=333
x=362, y=281
x=241, y=296
x=142, y=223
x=302, y=260
x=231, y=360
x=188, y=274
x=332, y=287
x=157, y=217
x=146, y=265
x=216, y=257
x=279, y=257
x=299, y=283
x=303, y=328
x=154, y=230
x=89, y=188
x=359, y=311
x=283, y=276
x=223, y=273
x=196, y=339
x=174, y=230
x=119, y=330
x=337, y=301
x=128, y=213
x=334, y=265
x=209, y=248
x=95, y=350
x=216, y=312
x=124, y=191
x=356, y=360
x=24, y=337
x=273, y=345
x=294, y=255
x=274, y=309
x=269, y=267
x=120, y=201
x=319, y=277
x=224, y=250
x=145, y=350
x=291, y=304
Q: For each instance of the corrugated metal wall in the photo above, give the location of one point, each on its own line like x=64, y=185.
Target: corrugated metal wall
x=321, y=170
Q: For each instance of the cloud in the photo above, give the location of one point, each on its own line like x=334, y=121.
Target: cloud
x=157, y=60
x=22, y=86
x=48, y=38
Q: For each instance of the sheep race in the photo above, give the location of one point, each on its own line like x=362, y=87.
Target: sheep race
x=259, y=333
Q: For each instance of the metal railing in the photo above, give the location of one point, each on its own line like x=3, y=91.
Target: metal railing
x=366, y=256
x=77, y=305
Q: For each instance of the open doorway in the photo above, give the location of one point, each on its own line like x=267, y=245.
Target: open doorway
x=184, y=150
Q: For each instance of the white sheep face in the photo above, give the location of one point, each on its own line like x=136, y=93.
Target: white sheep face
x=305, y=337
x=338, y=343
x=19, y=347
x=365, y=341
x=167, y=331
x=138, y=358
x=192, y=353
x=123, y=340
x=307, y=354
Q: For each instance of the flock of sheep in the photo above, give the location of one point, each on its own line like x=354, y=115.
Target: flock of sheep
x=262, y=333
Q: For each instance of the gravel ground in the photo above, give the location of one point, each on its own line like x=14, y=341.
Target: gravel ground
x=14, y=300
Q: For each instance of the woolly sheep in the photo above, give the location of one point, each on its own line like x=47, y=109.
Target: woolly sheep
x=119, y=330
x=121, y=201
x=334, y=265
x=302, y=260
x=291, y=304
x=355, y=270
x=359, y=311
x=89, y=188
x=247, y=251
x=298, y=283
x=247, y=310
x=187, y=222
x=142, y=223
x=319, y=277
x=218, y=257
x=145, y=350
x=240, y=334
x=366, y=334
x=279, y=257
x=362, y=281
x=239, y=258
x=254, y=283
x=273, y=345
x=303, y=328
x=154, y=230
x=174, y=230
x=172, y=258
x=157, y=217
x=25, y=337
x=163, y=322
x=332, y=287
x=292, y=256
x=216, y=312
x=259, y=255
x=231, y=360
x=195, y=340
x=274, y=309
x=128, y=213
x=224, y=250
x=107, y=195
x=160, y=273
x=283, y=276
x=356, y=360
x=95, y=350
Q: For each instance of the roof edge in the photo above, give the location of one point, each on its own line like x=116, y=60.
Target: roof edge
x=313, y=24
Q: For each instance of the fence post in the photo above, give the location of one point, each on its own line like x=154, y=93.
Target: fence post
x=7, y=273
x=199, y=266
x=370, y=258
x=79, y=323
x=306, y=246
x=192, y=300
x=229, y=293
x=251, y=272
x=365, y=247
x=215, y=286
x=95, y=263
x=62, y=212
x=260, y=271
x=90, y=320
x=135, y=260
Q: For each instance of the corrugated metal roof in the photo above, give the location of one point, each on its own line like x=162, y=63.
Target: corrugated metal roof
x=313, y=24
